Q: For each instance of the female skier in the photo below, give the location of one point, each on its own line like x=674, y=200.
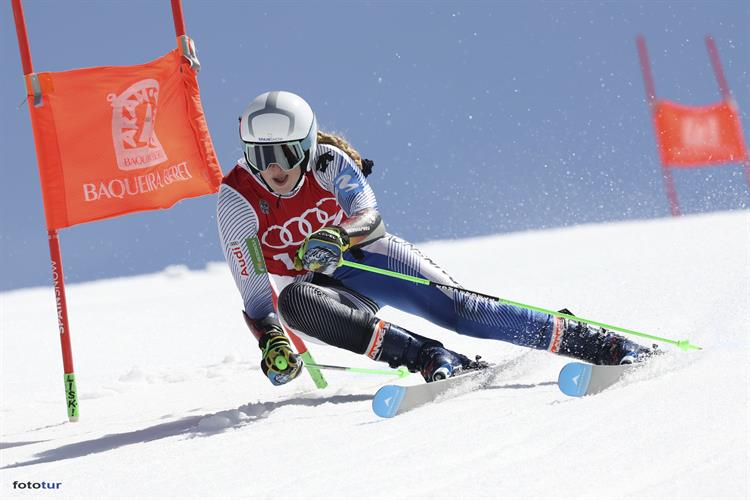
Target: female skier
x=297, y=204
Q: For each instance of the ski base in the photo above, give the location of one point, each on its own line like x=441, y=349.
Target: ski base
x=582, y=379
x=392, y=400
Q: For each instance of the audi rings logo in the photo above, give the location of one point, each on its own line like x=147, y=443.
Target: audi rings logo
x=294, y=231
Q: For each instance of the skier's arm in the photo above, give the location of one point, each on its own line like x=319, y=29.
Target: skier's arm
x=238, y=226
x=323, y=251
x=345, y=180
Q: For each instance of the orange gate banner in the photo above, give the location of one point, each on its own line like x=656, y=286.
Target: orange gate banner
x=120, y=139
x=697, y=136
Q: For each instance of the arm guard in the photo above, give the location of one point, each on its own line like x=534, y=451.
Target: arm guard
x=364, y=227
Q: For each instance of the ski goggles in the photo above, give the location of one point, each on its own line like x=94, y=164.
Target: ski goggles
x=286, y=155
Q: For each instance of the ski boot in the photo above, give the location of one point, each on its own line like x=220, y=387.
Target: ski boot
x=400, y=347
x=440, y=363
x=600, y=346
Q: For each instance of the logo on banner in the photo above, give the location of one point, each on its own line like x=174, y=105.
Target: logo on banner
x=700, y=132
x=295, y=230
x=134, y=124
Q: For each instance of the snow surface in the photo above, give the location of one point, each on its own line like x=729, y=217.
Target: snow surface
x=173, y=403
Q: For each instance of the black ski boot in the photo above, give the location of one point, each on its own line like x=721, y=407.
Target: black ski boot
x=400, y=347
x=439, y=363
x=599, y=346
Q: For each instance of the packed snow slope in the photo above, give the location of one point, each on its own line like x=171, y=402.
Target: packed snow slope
x=173, y=403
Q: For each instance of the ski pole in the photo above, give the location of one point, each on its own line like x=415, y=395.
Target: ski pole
x=682, y=344
x=400, y=372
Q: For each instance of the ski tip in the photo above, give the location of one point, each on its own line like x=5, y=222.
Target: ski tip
x=574, y=379
x=387, y=400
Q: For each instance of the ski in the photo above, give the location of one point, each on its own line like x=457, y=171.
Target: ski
x=392, y=400
x=582, y=379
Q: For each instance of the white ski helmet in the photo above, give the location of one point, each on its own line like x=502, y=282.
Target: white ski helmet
x=278, y=127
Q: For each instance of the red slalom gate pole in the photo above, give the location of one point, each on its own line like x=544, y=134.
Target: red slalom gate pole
x=726, y=94
x=184, y=43
x=23, y=38
x=179, y=20
x=71, y=393
x=648, y=80
x=58, y=280
x=713, y=54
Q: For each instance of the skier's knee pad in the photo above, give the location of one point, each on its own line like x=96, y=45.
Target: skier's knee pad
x=322, y=313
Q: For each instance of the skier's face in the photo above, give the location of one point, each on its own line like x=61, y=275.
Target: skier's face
x=281, y=181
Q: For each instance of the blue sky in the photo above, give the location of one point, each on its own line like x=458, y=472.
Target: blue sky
x=481, y=117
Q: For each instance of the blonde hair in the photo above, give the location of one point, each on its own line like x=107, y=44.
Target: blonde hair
x=341, y=143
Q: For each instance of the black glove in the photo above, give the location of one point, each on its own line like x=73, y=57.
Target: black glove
x=280, y=364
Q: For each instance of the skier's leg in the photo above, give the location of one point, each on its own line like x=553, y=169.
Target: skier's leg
x=456, y=310
x=473, y=315
x=594, y=344
x=346, y=319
